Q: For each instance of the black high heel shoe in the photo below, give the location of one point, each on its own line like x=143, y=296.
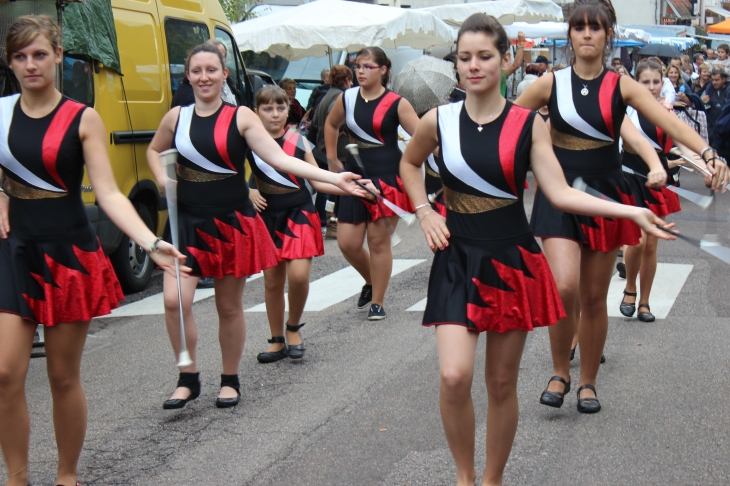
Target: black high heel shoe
x=272, y=356
x=588, y=405
x=626, y=308
x=555, y=399
x=645, y=316
x=296, y=351
x=230, y=381
x=190, y=381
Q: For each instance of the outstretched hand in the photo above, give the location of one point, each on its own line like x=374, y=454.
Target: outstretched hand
x=165, y=259
x=648, y=222
x=4, y=220
x=346, y=182
x=720, y=175
x=434, y=227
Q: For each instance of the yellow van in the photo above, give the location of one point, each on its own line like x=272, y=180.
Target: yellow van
x=131, y=89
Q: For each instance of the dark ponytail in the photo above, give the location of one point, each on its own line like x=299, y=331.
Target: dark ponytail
x=594, y=12
x=380, y=58
x=481, y=22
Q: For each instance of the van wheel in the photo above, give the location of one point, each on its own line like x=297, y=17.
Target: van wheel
x=132, y=264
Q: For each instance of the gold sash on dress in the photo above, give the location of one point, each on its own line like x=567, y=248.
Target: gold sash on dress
x=468, y=204
x=21, y=191
x=571, y=142
x=267, y=188
x=193, y=175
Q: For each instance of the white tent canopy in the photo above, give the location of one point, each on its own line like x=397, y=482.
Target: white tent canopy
x=505, y=11
x=559, y=30
x=317, y=28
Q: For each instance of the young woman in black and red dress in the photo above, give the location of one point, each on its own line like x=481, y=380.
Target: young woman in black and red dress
x=488, y=266
x=372, y=114
x=220, y=231
x=587, y=107
x=285, y=205
x=53, y=268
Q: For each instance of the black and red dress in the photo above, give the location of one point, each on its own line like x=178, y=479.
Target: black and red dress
x=434, y=188
x=493, y=275
x=373, y=126
x=220, y=231
x=660, y=201
x=585, y=132
x=290, y=215
x=52, y=265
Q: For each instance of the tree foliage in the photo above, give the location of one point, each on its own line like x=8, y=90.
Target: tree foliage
x=238, y=10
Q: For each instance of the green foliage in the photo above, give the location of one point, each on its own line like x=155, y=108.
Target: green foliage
x=238, y=10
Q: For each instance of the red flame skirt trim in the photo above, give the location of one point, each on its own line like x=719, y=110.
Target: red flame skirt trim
x=295, y=231
x=494, y=285
x=356, y=210
x=595, y=233
x=58, y=279
x=661, y=202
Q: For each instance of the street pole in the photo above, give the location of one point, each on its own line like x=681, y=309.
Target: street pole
x=702, y=12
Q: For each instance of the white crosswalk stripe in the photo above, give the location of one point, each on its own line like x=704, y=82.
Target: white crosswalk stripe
x=338, y=286
x=419, y=306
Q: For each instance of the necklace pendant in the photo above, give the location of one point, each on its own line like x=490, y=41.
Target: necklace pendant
x=479, y=128
x=366, y=100
x=584, y=91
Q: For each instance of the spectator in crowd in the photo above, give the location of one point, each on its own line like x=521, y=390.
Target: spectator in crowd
x=722, y=61
x=715, y=97
x=616, y=62
x=542, y=64
x=674, y=75
x=321, y=90
x=296, y=111
x=699, y=60
x=622, y=71
x=514, y=66
x=699, y=84
x=532, y=72
x=711, y=56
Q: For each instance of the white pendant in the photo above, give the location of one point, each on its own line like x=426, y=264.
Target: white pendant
x=584, y=91
x=479, y=128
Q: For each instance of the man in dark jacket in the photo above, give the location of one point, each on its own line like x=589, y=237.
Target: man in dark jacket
x=714, y=98
x=318, y=93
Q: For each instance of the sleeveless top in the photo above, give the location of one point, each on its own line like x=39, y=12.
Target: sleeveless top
x=43, y=164
x=585, y=130
x=280, y=188
x=658, y=139
x=482, y=188
x=210, y=166
x=373, y=126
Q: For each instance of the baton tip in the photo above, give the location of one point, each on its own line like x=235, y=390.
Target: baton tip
x=184, y=359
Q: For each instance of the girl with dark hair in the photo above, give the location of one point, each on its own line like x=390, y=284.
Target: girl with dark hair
x=285, y=205
x=587, y=109
x=372, y=114
x=488, y=266
x=53, y=268
x=220, y=231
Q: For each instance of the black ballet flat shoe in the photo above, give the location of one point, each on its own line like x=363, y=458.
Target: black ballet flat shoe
x=603, y=358
x=296, y=351
x=626, y=308
x=230, y=381
x=366, y=296
x=555, y=399
x=588, y=405
x=272, y=356
x=572, y=353
x=190, y=381
x=645, y=316
x=621, y=267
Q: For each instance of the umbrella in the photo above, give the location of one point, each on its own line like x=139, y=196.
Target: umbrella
x=425, y=82
x=659, y=50
x=318, y=28
x=505, y=11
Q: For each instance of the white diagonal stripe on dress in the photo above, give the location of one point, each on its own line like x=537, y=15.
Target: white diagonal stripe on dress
x=566, y=106
x=184, y=145
x=271, y=173
x=350, y=99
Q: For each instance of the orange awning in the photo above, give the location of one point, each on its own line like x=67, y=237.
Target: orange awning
x=720, y=28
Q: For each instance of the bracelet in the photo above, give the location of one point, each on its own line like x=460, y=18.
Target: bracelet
x=424, y=205
x=426, y=214
x=520, y=46
x=153, y=247
x=702, y=154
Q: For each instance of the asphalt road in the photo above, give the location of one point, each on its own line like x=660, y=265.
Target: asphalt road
x=362, y=407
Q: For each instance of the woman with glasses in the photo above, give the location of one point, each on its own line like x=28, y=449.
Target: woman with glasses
x=372, y=114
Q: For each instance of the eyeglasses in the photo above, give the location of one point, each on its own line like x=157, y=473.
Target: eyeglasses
x=361, y=67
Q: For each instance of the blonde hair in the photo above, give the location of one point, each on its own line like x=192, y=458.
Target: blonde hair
x=24, y=30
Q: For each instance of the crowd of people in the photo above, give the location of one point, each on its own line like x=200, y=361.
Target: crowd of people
x=586, y=123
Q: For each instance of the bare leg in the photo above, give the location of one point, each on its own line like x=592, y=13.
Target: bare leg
x=381, y=256
x=564, y=258
x=633, y=259
x=64, y=347
x=274, y=283
x=298, y=275
x=16, y=341
x=456, y=348
x=232, y=326
x=648, y=268
x=504, y=353
x=596, y=270
x=172, y=321
x=351, y=240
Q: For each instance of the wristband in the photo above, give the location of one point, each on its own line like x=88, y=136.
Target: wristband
x=702, y=154
x=153, y=247
x=424, y=205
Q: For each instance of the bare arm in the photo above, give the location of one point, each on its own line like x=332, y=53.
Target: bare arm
x=4, y=206
x=114, y=203
x=537, y=94
x=547, y=171
x=639, y=97
x=633, y=138
x=323, y=186
x=332, y=125
x=407, y=116
x=423, y=143
x=518, y=55
x=162, y=141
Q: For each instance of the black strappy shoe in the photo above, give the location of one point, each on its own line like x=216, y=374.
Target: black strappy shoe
x=271, y=356
x=588, y=405
x=190, y=381
x=296, y=351
x=230, y=381
x=645, y=316
x=626, y=308
x=555, y=399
